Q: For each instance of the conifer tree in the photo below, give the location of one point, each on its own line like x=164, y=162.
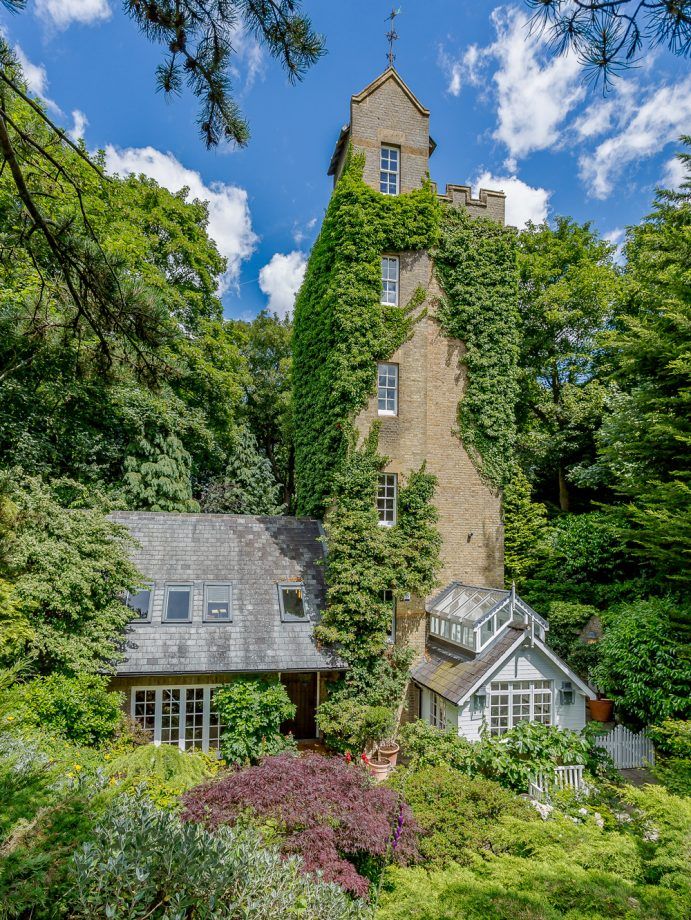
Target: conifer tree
x=525, y=525
x=248, y=485
x=157, y=476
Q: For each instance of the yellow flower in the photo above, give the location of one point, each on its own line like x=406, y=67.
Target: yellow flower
x=106, y=756
x=77, y=767
x=70, y=775
x=10, y=718
x=112, y=781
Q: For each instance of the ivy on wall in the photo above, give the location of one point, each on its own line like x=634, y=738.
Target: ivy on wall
x=475, y=262
x=341, y=329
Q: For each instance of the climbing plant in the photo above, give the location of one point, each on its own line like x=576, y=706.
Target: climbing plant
x=475, y=262
x=341, y=328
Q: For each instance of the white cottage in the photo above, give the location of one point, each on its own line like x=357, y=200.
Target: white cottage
x=487, y=664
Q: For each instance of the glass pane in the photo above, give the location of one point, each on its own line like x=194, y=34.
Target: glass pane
x=139, y=603
x=144, y=713
x=293, y=603
x=178, y=606
x=194, y=717
x=217, y=602
x=170, y=716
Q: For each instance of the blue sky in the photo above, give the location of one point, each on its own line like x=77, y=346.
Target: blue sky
x=503, y=113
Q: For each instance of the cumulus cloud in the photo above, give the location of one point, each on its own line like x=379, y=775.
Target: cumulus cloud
x=674, y=174
x=230, y=224
x=523, y=201
x=301, y=233
x=280, y=280
x=62, y=13
x=79, y=123
x=36, y=78
x=617, y=238
x=535, y=90
x=640, y=131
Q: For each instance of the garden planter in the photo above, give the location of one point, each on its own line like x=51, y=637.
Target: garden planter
x=378, y=768
x=601, y=710
x=390, y=752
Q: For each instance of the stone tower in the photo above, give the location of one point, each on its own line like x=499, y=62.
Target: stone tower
x=420, y=386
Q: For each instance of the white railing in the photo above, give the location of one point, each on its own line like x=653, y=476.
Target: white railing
x=547, y=782
x=627, y=749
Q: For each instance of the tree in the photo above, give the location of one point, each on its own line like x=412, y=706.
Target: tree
x=610, y=36
x=567, y=290
x=525, y=525
x=247, y=486
x=157, y=476
x=644, y=441
x=199, y=39
x=69, y=569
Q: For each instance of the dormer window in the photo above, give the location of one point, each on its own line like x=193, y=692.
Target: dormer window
x=389, y=281
x=389, y=170
x=140, y=603
x=292, y=602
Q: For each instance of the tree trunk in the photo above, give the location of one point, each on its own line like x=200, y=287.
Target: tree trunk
x=564, y=497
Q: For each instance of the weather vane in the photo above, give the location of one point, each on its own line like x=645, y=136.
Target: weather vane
x=392, y=34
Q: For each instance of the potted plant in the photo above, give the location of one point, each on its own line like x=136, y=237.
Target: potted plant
x=389, y=750
x=601, y=709
x=376, y=723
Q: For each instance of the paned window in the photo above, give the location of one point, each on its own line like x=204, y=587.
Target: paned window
x=386, y=499
x=217, y=604
x=292, y=601
x=140, y=603
x=517, y=701
x=437, y=711
x=388, y=598
x=387, y=389
x=389, y=280
x=389, y=168
x=182, y=716
x=178, y=603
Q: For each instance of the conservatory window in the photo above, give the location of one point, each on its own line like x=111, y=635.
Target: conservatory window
x=140, y=602
x=389, y=163
x=292, y=601
x=181, y=716
x=517, y=701
x=437, y=711
x=177, y=603
x=389, y=280
x=387, y=389
x=386, y=499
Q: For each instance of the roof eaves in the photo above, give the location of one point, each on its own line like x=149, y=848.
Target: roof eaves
x=336, y=155
x=390, y=73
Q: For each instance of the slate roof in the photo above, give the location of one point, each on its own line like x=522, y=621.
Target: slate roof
x=253, y=554
x=452, y=674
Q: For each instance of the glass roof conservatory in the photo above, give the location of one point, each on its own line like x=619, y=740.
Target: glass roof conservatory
x=473, y=617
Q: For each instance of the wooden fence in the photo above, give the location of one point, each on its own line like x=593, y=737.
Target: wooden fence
x=547, y=782
x=627, y=749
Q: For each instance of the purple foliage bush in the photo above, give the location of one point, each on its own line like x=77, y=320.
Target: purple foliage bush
x=329, y=812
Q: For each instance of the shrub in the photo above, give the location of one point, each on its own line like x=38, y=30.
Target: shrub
x=351, y=725
x=326, y=810
x=674, y=773
x=251, y=711
x=162, y=773
x=640, y=664
x=143, y=862
x=78, y=708
x=456, y=813
x=672, y=737
x=663, y=822
x=426, y=746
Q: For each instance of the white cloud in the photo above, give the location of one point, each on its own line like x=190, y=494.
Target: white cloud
x=523, y=201
x=36, y=78
x=535, y=90
x=62, y=13
x=230, y=224
x=641, y=131
x=79, y=123
x=300, y=234
x=280, y=280
x=617, y=237
x=674, y=174
x=248, y=61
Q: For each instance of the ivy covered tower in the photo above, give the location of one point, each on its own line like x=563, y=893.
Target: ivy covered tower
x=407, y=319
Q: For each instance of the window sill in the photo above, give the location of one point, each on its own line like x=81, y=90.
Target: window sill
x=387, y=523
x=384, y=413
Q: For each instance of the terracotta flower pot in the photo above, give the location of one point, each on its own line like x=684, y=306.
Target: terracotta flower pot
x=601, y=710
x=378, y=768
x=390, y=752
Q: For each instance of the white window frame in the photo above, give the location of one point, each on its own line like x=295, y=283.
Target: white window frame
x=218, y=584
x=437, y=711
x=388, y=597
x=390, y=371
x=176, y=586
x=386, y=173
x=390, y=280
x=384, y=497
x=207, y=728
x=515, y=692
x=146, y=587
x=285, y=616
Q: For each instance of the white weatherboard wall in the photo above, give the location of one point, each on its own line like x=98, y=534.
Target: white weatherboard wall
x=451, y=710
x=525, y=664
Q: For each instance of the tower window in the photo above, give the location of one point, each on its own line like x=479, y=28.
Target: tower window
x=386, y=499
x=389, y=280
x=387, y=389
x=389, y=161
x=388, y=598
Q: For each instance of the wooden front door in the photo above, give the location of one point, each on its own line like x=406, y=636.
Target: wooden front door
x=302, y=690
